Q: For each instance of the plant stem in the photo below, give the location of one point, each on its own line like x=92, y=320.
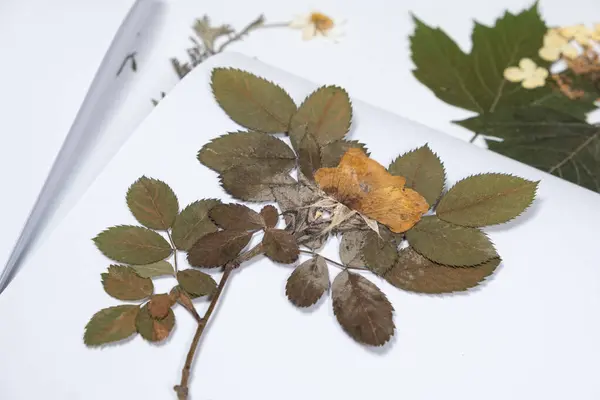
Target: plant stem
x=329, y=260
x=128, y=57
x=252, y=26
x=174, y=250
x=182, y=389
x=475, y=136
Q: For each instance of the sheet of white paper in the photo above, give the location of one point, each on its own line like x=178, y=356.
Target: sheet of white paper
x=529, y=332
x=56, y=55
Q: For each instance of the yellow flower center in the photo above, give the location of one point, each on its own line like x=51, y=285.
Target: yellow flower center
x=321, y=21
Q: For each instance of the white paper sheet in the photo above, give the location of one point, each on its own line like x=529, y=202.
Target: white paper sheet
x=529, y=332
x=56, y=54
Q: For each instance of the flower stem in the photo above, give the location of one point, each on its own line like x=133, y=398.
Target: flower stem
x=182, y=389
x=258, y=23
x=475, y=136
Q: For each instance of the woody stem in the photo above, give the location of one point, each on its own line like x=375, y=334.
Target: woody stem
x=182, y=389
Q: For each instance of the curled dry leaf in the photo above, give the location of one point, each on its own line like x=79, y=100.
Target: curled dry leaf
x=267, y=154
x=415, y=273
x=152, y=329
x=308, y=282
x=270, y=215
x=132, y=245
x=236, y=217
x=153, y=270
x=362, y=309
x=218, y=248
x=159, y=306
x=280, y=246
x=351, y=248
x=295, y=196
x=379, y=251
x=192, y=223
x=326, y=114
x=486, y=199
x=152, y=203
x=111, y=325
x=252, y=102
x=365, y=186
x=423, y=171
x=196, y=283
x=448, y=244
x=124, y=283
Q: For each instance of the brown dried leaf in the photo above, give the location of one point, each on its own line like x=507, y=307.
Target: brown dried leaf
x=415, y=273
x=351, y=248
x=159, y=305
x=292, y=197
x=218, y=248
x=326, y=114
x=252, y=183
x=151, y=329
x=280, y=246
x=152, y=203
x=268, y=154
x=196, y=283
x=132, y=245
x=309, y=156
x=153, y=270
x=192, y=223
x=236, y=217
x=270, y=215
x=111, y=325
x=308, y=282
x=252, y=102
x=362, y=309
x=449, y=244
x=380, y=252
x=124, y=283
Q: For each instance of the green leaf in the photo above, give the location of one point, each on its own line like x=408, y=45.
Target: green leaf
x=252, y=102
x=331, y=154
x=218, y=248
x=475, y=81
x=124, y=283
x=154, y=270
x=236, y=217
x=415, y=273
x=152, y=329
x=192, y=223
x=326, y=114
x=280, y=246
x=111, y=325
x=379, y=252
x=362, y=310
x=309, y=156
x=445, y=243
x=308, y=282
x=152, y=203
x=132, y=245
x=196, y=283
x=423, y=170
x=253, y=183
x=551, y=141
x=486, y=199
x=248, y=149
x=270, y=215
x=351, y=247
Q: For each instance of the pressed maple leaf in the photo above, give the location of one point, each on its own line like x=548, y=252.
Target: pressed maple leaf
x=365, y=186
